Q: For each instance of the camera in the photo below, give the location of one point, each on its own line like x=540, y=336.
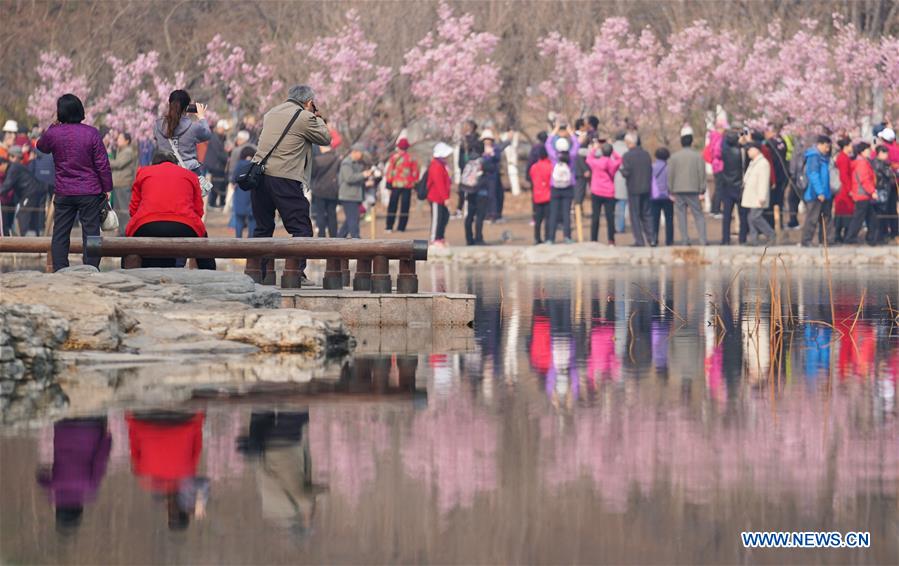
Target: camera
x=191, y=108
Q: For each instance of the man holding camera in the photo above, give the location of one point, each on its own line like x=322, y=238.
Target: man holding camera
x=289, y=167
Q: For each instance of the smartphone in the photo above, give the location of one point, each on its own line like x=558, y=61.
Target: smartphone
x=191, y=108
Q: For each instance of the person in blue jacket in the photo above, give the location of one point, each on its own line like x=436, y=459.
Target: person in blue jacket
x=818, y=198
x=241, y=202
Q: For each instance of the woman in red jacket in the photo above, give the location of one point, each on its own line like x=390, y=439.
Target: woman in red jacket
x=439, y=193
x=863, y=186
x=843, y=205
x=166, y=202
x=541, y=174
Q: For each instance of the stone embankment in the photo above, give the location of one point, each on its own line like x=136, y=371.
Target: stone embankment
x=601, y=254
x=52, y=324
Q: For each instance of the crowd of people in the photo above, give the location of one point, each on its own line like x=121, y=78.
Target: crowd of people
x=762, y=177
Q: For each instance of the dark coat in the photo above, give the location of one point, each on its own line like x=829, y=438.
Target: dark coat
x=325, y=169
x=636, y=167
x=216, y=156
x=732, y=174
x=22, y=183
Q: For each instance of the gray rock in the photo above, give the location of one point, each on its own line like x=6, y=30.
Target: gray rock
x=79, y=269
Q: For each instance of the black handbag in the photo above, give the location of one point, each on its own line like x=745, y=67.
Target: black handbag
x=252, y=178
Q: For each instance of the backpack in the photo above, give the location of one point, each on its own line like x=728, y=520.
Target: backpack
x=471, y=175
x=561, y=178
x=421, y=187
x=801, y=180
x=835, y=183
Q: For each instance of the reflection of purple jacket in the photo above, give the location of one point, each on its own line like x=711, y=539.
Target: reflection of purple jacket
x=82, y=166
x=572, y=153
x=80, y=454
x=659, y=337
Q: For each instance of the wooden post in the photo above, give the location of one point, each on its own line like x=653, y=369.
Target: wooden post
x=380, y=277
x=407, y=280
x=579, y=221
x=362, y=280
x=131, y=262
x=333, y=278
x=48, y=267
x=253, y=269
x=192, y=263
x=290, y=277
x=777, y=222
x=374, y=221
x=345, y=272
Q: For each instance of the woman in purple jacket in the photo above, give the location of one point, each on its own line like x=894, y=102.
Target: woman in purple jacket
x=83, y=178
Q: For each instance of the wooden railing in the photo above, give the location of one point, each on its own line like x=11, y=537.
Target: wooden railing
x=372, y=256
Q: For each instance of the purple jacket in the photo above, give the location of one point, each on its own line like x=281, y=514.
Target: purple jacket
x=572, y=152
x=80, y=454
x=82, y=166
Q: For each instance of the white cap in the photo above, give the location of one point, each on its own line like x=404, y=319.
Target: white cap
x=487, y=134
x=223, y=124
x=442, y=150
x=11, y=127
x=686, y=130
x=562, y=144
x=243, y=136
x=888, y=134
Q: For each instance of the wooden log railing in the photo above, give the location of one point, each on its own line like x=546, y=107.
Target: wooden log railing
x=372, y=256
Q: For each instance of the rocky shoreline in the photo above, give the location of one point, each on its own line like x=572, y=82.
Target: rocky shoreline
x=156, y=320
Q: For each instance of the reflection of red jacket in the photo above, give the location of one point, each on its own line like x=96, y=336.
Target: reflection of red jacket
x=843, y=205
x=164, y=453
x=166, y=193
x=541, y=173
x=438, y=182
x=541, y=345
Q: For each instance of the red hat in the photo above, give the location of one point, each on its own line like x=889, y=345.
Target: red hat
x=403, y=144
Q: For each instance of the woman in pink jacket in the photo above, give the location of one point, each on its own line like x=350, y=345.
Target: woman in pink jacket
x=603, y=163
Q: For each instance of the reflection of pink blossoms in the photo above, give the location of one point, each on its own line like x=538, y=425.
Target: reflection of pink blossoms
x=451, y=73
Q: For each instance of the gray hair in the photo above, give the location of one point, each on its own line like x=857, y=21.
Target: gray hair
x=300, y=93
x=630, y=137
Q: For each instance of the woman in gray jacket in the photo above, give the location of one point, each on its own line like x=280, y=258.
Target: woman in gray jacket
x=185, y=133
x=352, y=177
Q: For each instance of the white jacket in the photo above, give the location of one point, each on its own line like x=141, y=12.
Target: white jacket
x=757, y=183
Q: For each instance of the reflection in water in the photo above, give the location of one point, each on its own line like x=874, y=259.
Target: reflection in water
x=80, y=455
x=604, y=418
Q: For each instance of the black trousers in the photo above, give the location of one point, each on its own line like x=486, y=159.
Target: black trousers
x=286, y=197
x=325, y=212
x=793, y=201
x=560, y=212
x=403, y=197
x=598, y=205
x=864, y=213
x=728, y=204
x=216, y=197
x=718, y=195
x=439, y=219
x=31, y=215
x=641, y=218
x=477, y=211
x=65, y=210
x=667, y=207
x=169, y=230
x=541, y=222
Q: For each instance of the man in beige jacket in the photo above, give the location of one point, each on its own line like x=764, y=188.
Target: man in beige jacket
x=756, y=194
x=288, y=169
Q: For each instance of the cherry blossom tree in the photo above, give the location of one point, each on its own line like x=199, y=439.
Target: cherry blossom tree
x=57, y=77
x=451, y=74
x=347, y=82
x=241, y=84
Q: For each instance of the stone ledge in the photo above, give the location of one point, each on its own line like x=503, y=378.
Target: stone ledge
x=602, y=254
x=421, y=310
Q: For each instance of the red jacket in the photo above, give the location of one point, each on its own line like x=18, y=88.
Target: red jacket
x=402, y=170
x=438, y=182
x=541, y=177
x=164, y=453
x=166, y=193
x=843, y=205
x=864, y=182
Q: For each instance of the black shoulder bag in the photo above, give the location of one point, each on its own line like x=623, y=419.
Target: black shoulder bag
x=252, y=179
